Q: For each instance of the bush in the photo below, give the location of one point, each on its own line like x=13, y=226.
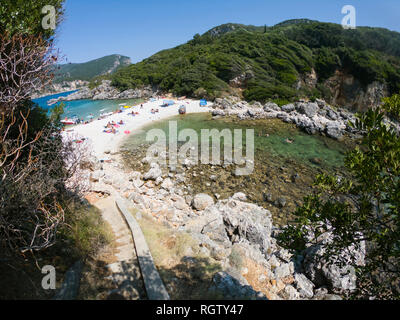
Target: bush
x=364, y=207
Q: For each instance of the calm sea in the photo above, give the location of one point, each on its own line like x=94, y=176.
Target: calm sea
x=85, y=108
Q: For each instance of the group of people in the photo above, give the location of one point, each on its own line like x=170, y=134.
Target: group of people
x=110, y=127
x=154, y=111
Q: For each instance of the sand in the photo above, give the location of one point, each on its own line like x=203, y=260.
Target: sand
x=101, y=142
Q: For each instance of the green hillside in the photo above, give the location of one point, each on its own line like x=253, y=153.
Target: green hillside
x=91, y=69
x=269, y=61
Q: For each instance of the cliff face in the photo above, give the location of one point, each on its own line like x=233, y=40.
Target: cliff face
x=347, y=91
x=344, y=90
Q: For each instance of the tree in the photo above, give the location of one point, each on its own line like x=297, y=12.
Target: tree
x=25, y=17
x=365, y=207
x=26, y=49
x=32, y=156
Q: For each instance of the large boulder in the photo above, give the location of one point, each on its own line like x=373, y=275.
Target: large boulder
x=334, y=131
x=202, y=201
x=304, y=285
x=288, y=108
x=284, y=270
x=231, y=287
x=271, y=107
x=335, y=272
x=153, y=173
x=218, y=112
x=309, y=109
x=246, y=221
x=167, y=184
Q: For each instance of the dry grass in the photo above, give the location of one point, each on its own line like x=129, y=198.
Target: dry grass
x=94, y=286
x=85, y=236
x=187, y=274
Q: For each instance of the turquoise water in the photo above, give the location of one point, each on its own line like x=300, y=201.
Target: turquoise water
x=270, y=137
x=85, y=108
x=282, y=170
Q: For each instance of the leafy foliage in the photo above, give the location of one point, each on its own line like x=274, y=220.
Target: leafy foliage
x=365, y=207
x=268, y=62
x=25, y=17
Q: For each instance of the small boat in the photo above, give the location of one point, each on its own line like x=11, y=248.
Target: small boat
x=106, y=114
x=67, y=121
x=182, y=109
x=72, y=120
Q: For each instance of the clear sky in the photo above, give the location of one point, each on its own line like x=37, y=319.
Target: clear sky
x=140, y=28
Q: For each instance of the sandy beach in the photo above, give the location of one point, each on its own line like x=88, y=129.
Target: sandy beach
x=100, y=141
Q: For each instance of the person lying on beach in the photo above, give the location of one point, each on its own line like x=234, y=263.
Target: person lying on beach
x=113, y=131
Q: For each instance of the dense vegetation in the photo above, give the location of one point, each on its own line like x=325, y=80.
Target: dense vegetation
x=91, y=69
x=363, y=208
x=270, y=61
x=42, y=220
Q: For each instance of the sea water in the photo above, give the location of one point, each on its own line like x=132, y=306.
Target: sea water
x=85, y=109
x=283, y=170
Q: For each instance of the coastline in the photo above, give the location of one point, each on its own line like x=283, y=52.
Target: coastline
x=265, y=270
x=103, y=143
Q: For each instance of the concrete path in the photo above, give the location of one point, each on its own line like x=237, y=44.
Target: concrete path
x=155, y=288
x=125, y=272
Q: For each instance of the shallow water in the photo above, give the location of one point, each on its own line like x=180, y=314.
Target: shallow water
x=270, y=137
x=283, y=172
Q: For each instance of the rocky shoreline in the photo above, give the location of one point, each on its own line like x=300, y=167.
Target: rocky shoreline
x=57, y=88
x=311, y=117
x=229, y=231
x=106, y=92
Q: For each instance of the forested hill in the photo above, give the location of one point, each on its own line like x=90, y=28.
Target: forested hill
x=91, y=69
x=293, y=59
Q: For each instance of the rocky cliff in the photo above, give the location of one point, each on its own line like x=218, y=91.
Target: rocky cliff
x=106, y=92
x=345, y=90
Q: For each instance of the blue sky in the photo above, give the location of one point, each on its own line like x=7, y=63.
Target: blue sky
x=140, y=28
